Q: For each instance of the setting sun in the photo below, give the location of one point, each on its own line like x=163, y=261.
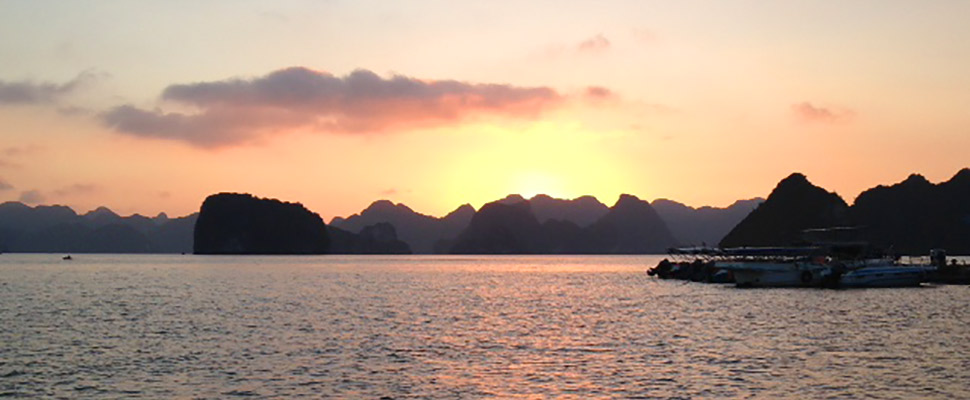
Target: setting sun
x=646, y=100
x=320, y=199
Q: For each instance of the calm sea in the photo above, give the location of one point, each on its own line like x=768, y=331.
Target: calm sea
x=134, y=326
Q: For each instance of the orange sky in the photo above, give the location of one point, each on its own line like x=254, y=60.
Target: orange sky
x=151, y=107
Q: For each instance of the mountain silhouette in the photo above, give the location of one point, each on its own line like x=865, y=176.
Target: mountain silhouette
x=914, y=216
x=512, y=199
x=426, y=234
x=793, y=206
x=703, y=225
x=910, y=217
x=502, y=227
x=631, y=226
x=380, y=238
x=58, y=229
x=419, y=231
x=173, y=235
x=565, y=237
x=582, y=211
x=233, y=223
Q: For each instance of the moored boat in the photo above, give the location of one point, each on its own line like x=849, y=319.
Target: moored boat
x=883, y=276
x=774, y=266
x=952, y=273
x=693, y=264
x=827, y=265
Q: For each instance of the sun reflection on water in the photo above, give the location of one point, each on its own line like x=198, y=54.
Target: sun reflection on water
x=460, y=327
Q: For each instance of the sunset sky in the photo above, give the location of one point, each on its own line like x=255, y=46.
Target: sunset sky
x=151, y=106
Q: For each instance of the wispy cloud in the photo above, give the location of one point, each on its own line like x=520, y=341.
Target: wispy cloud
x=594, y=44
x=75, y=189
x=9, y=154
x=598, y=93
x=4, y=186
x=14, y=151
x=28, y=92
x=809, y=113
x=32, y=197
x=236, y=111
x=590, y=46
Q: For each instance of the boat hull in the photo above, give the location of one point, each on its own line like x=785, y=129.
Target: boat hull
x=758, y=274
x=881, y=277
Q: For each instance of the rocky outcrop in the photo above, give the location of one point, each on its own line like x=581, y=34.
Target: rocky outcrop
x=631, y=226
x=58, y=229
x=582, y=211
x=793, y=206
x=914, y=216
x=232, y=223
x=173, y=235
x=506, y=227
x=502, y=228
x=703, y=225
x=380, y=238
x=910, y=217
x=420, y=231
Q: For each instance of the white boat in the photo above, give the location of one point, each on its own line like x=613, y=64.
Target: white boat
x=883, y=276
x=775, y=274
x=815, y=267
x=774, y=266
x=834, y=265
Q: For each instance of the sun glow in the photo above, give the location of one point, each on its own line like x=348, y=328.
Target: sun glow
x=557, y=157
x=532, y=183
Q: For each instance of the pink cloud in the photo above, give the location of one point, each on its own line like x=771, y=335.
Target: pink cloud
x=236, y=111
x=596, y=43
x=808, y=113
x=598, y=93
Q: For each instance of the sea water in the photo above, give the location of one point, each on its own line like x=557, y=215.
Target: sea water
x=403, y=327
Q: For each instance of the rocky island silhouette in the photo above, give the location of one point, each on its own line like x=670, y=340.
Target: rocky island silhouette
x=910, y=217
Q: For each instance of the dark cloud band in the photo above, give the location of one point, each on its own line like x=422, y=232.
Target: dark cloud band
x=238, y=110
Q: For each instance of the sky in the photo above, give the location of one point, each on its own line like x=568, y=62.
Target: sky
x=150, y=106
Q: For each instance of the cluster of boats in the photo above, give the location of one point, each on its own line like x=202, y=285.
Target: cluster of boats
x=829, y=266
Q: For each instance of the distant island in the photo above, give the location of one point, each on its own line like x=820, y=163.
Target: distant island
x=232, y=223
x=568, y=226
x=510, y=226
x=543, y=224
x=235, y=223
x=909, y=217
x=58, y=229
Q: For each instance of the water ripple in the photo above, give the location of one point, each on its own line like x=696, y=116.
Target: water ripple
x=459, y=327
